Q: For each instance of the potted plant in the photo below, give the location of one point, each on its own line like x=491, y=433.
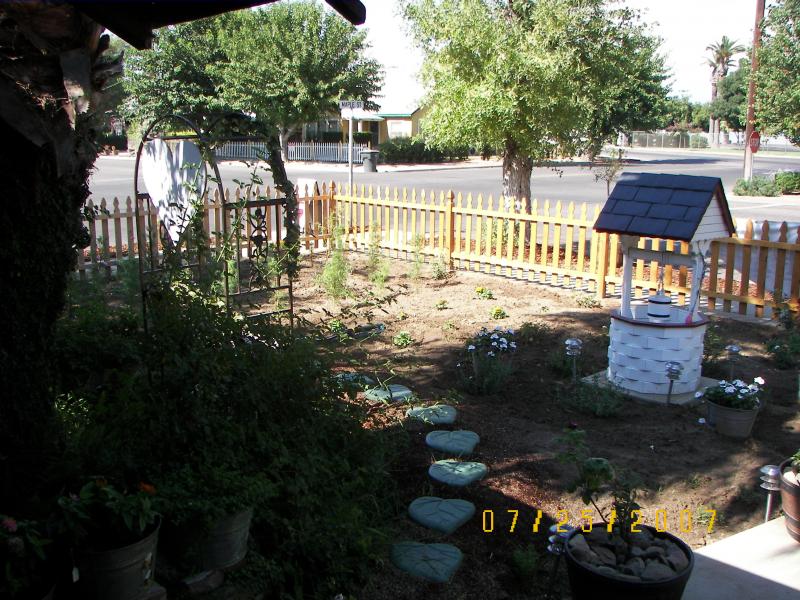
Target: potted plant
x=113, y=536
x=733, y=406
x=490, y=359
x=619, y=558
x=23, y=562
x=208, y=511
x=790, y=494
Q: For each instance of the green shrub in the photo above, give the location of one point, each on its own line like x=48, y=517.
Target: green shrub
x=377, y=268
x=594, y=399
x=440, y=269
x=484, y=293
x=498, y=312
x=525, y=564
x=757, y=186
x=587, y=301
x=489, y=360
x=415, y=150
x=336, y=271
x=788, y=182
x=219, y=412
x=698, y=140
x=418, y=258
x=785, y=349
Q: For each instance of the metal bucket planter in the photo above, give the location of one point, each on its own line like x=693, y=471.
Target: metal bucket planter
x=790, y=501
x=222, y=547
x=731, y=422
x=120, y=574
x=586, y=583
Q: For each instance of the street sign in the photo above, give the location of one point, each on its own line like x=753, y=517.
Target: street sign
x=755, y=142
x=351, y=104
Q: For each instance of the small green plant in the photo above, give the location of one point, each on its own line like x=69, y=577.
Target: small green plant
x=696, y=481
x=488, y=362
x=377, y=267
x=449, y=325
x=336, y=271
x=544, y=309
x=788, y=182
x=587, y=301
x=484, y=293
x=608, y=170
x=403, y=339
x=595, y=399
x=402, y=315
x=525, y=564
x=534, y=334
x=440, y=268
x=339, y=329
x=795, y=464
x=757, y=186
x=22, y=557
x=498, y=313
x=418, y=258
x=784, y=349
x=441, y=305
x=706, y=517
x=713, y=346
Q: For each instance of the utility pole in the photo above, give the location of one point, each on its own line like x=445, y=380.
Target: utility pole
x=351, y=106
x=751, y=93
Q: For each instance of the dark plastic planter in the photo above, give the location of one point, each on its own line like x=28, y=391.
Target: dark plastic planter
x=790, y=500
x=588, y=584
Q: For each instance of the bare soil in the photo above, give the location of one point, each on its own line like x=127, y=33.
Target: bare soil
x=684, y=464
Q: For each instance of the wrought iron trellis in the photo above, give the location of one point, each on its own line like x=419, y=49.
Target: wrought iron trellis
x=248, y=275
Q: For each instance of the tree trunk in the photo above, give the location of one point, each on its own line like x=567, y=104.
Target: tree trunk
x=713, y=122
x=284, y=133
x=517, y=170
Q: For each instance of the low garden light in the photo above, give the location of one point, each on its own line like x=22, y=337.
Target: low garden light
x=733, y=353
x=557, y=547
x=573, y=347
x=674, y=371
x=771, y=481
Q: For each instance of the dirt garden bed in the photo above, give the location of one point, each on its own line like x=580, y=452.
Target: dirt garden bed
x=684, y=464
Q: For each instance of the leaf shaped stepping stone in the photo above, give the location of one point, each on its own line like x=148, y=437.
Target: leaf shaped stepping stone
x=394, y=392
x=437, y=415
x=457, y=473
x=432, y=562
x=440, y=514
x=355, y=379
x=453, y=442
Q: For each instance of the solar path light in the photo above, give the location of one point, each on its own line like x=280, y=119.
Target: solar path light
x=733, y=353
x=674, y=371
x=573, y=348
x=771, y=479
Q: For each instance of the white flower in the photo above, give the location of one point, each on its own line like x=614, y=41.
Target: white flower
x=510, y=331
x=759, y=380
x=498, y=328
x=494, y=336
x=458, y=364
x=730, y=389
x=470, y=348
x=723, y=383
x=513, y=344
x=490, y=354
x=698, y=394
x=739, y=383
x=494, y=344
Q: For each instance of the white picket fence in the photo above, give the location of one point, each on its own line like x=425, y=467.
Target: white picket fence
x=308, y=151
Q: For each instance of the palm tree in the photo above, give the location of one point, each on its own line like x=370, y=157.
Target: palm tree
x=721, y=60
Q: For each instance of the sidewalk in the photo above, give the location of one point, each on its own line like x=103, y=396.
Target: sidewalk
x=762, y=562
x=708, y=151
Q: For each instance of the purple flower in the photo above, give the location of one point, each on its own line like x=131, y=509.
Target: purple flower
x=9, y=524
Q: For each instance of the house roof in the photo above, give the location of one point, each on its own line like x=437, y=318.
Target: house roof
x=661, y=206
x=134, y=21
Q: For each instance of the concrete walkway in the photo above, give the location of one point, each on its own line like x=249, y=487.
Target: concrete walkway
x=760, y=563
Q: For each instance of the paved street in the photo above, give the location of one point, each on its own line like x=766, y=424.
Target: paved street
x=572, y=182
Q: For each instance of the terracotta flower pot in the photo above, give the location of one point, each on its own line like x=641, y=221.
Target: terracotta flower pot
x=790, y=500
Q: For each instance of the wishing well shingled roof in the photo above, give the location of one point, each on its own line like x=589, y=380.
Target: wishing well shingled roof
x=662, y=206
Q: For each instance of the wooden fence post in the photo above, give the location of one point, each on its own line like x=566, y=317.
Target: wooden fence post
x=602, y=264
x=449, y=224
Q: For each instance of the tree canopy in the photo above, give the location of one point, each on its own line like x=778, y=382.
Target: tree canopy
x=778, y=75
x=731, y=103
x=536, y=79
x=288, y=63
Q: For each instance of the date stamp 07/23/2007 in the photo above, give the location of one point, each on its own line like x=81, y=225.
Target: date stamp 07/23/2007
x=683, y=522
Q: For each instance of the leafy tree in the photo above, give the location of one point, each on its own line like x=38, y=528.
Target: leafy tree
x=778, y=75
x=292, y=62
x=721, y=60
x=537, y=79
x=178, y=75
x=731, y=103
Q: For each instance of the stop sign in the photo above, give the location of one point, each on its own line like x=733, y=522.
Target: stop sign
x=755, y=141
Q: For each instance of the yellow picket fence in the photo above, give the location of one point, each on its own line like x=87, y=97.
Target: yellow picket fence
x=551, y=243
x=554, y=244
